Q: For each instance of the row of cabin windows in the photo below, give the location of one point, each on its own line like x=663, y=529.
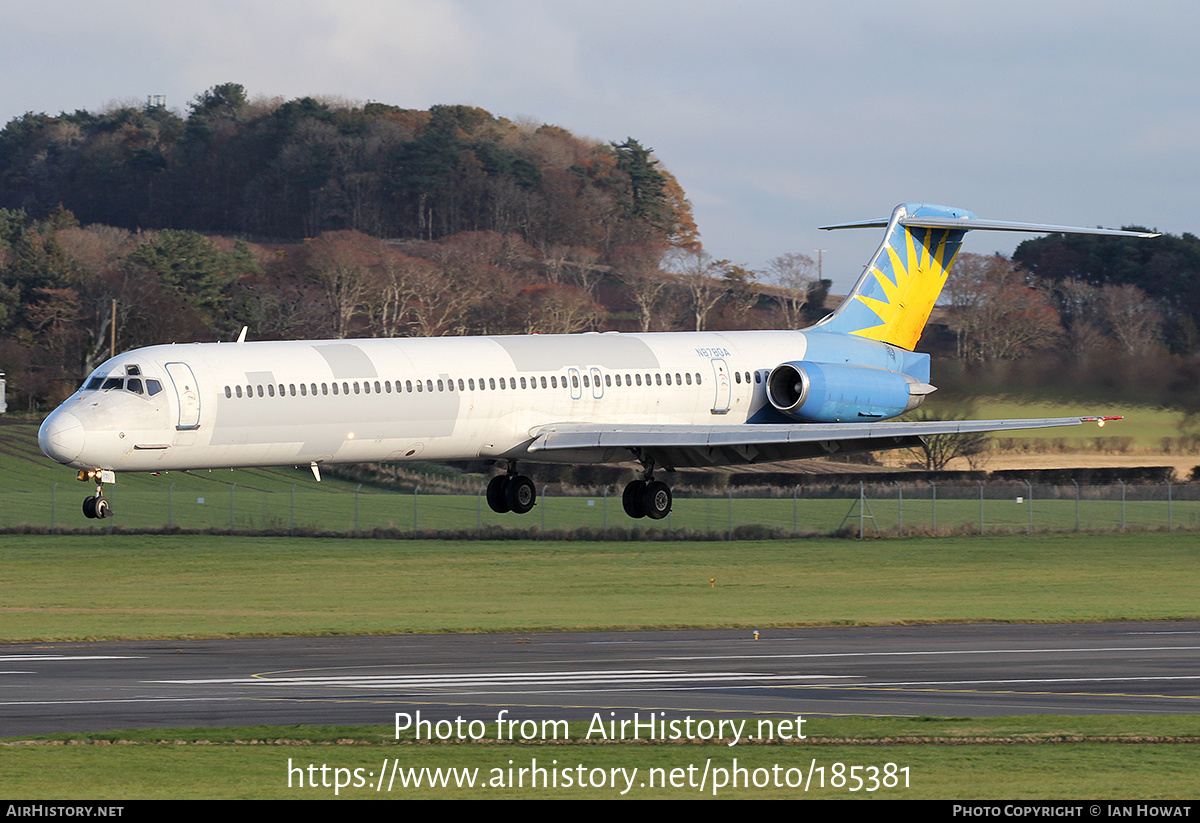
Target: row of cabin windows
x=468, y=384
x=758, y=377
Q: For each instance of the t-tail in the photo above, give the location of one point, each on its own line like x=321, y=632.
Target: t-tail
x=892, y=300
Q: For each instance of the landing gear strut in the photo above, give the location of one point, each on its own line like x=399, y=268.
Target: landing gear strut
x=647, y=497
x=511, y=492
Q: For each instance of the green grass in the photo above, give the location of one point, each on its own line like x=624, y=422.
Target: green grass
x=153, y=586
x=1007, y=758
x=1146, y=426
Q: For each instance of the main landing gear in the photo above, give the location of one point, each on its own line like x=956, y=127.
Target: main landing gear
x=511, y=492
x=647, y=498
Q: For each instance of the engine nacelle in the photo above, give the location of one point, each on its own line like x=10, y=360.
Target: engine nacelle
x=838, y=393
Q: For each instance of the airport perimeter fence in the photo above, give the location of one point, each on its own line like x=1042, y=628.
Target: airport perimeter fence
x=882, y=509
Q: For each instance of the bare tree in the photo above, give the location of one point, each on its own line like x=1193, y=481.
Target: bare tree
x=700, y=275
x=796, y=276
x=997, y=314
x=637, y=268
x=1133, y=318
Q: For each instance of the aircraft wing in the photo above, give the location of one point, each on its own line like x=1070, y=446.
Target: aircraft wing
x=683, y=445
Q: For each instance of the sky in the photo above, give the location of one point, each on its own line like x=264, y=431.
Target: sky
x=776, y=117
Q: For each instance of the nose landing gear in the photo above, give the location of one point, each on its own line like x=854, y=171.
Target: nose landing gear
x=96, y=506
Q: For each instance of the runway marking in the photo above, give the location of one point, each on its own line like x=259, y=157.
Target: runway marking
x=818, y=655
x=34, y=658
x=502, y=679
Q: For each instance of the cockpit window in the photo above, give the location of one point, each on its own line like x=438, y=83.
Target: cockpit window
x=153, y=387
x=134, y=385
x=133, y=371
x=94, y=383
x=113, y=383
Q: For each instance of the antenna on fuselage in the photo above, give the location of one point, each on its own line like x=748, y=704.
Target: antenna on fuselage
x=242, y=334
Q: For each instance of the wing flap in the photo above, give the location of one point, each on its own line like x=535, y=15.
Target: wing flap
x=566, y=436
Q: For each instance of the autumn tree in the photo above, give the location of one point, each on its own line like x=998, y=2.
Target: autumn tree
x=996, y=314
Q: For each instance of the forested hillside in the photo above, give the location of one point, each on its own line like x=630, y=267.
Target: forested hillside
x=312, y=218
x=307, y=218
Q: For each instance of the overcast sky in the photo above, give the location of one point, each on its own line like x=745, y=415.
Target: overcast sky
x=776, y=117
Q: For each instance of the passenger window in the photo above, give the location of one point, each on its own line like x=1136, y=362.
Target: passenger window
x=303, y=390
x=471, y=383
x=441, y=385
x=586, y=384
x=608, y=379
x=228, y=392
x=260, y=391
x=461, y=385
x=356, y=387
x=335, y=388
x=639, y=379
x=758, y=377
x=543, y=382
x=574, y=381
x=689, y=378
x=554, y=381
x=668, y=378
x=492, y=383
x=238, y=389
x=271, y=389
x=420, y=387
x=657, y=379
x=429, y=385
x=408, y=386
x=292, y=389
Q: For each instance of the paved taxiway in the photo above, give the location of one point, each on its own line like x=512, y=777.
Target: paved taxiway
x=976, y=670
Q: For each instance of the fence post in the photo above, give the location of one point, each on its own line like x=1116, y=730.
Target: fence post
x=1168, y=504
x=980, y=482
x=1029, y=486
x=1122, y=482
x=606, y=512
x=730, y=536
x=1076, y=482
x=862, y=505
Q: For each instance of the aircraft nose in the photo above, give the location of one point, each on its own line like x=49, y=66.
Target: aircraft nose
x=61, y=437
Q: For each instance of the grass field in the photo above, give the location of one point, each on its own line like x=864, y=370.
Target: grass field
x=60, y=587
x=151, y=586
x=852, y=758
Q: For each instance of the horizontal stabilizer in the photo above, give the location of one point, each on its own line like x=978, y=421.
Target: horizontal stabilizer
x=975, y=224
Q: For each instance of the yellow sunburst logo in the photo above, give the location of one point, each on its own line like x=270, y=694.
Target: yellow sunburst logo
x=903, y=302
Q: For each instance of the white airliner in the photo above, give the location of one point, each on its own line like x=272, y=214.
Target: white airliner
x=665, y=400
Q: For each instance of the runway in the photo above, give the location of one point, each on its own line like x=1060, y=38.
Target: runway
x=962, y=670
